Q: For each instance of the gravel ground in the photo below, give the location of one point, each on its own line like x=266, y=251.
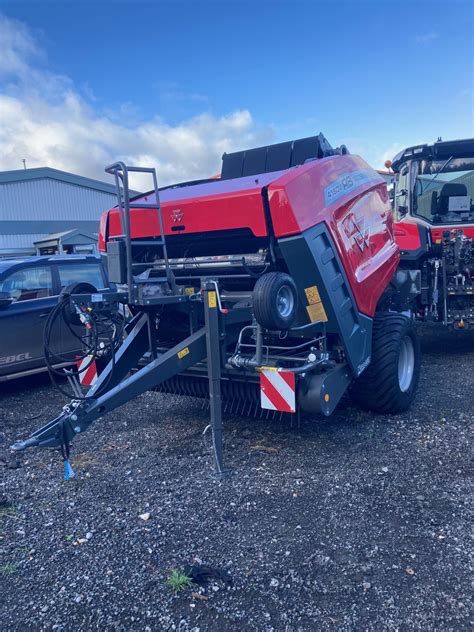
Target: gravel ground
x=357, y=522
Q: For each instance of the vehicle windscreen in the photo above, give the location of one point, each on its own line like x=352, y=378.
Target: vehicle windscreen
x=444, y=190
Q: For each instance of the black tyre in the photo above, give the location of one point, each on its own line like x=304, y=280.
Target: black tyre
x=275, y=300
x=389, y=383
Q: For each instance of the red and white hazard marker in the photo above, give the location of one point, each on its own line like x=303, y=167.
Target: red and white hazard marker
x=277, y=391
x=87, y=376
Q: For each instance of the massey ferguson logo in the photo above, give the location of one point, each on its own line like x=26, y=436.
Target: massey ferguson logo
x=177, y=215
x=357, y=231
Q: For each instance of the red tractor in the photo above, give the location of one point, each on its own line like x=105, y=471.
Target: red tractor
x=435, y=229
x=273, y=288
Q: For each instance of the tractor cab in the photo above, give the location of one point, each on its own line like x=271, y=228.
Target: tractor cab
x=434, y=229
x=435, y=185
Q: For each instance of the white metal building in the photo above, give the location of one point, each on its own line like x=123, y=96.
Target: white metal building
x=35, y=203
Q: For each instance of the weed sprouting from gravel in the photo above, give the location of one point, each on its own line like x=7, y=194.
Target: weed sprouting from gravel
x=178, y=581
x=7, y=510
x=8, y=569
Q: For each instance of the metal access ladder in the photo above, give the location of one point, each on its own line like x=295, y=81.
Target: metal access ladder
x=121, y=171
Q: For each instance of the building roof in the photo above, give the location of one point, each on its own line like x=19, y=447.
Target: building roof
x=20, y=175
x=66, y=237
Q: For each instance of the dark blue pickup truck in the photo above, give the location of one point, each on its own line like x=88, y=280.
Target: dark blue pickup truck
x=29, y=289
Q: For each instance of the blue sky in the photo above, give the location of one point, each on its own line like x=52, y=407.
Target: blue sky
x=375, y=74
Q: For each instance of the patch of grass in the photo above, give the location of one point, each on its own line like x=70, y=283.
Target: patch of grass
x=69, y=538
x=178, y=581
x=8, y=569
x=7, y=510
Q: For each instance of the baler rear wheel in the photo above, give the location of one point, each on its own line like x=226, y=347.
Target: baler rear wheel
x=275, y=300
x=388, y=385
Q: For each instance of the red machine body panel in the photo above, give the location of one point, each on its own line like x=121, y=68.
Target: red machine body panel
x=352, y=200
x=437, y=233
x=210, y=206
x=407, y=233
x=341, y=191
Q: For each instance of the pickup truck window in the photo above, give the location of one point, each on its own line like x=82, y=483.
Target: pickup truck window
x=81, y=273
x=28, y=283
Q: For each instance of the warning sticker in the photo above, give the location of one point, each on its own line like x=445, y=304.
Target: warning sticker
x=312, y=294
x=317, y=313
x=315, y=309
x=183, y=352
x=212, y=299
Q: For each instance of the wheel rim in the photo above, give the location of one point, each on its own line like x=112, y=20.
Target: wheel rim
x=285, y=301
x=406, y=364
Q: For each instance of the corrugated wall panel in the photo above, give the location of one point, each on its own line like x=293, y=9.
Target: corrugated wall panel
x=32, y=209
x=47, y=199
x=18, y=241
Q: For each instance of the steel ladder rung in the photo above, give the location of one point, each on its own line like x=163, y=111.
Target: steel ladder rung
x=152, y=206
x=153, y=280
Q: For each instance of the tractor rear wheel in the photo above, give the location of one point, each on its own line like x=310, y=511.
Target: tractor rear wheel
x=275, y=300
x=388, y=385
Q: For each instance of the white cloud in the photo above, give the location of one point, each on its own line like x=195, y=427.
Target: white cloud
x=17, y=47
x=426, y=38
x=46, y=121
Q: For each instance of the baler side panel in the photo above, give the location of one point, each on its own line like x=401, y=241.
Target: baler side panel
x=364, y=237
x=352, y=200
x=313, y=260
x=307, y=195
x=208, y=207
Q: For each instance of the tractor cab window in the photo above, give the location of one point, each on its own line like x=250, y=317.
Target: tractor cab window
x=444, y=190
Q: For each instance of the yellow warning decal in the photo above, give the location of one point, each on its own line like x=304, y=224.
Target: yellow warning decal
x=212, y=299
x=315, y=309
x=183, y=352
x=266, y=368
x=317, y=313
x=188, y=291
x=312, y=294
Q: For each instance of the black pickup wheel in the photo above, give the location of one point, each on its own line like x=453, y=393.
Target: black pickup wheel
x=275, y=300
x=388, y=385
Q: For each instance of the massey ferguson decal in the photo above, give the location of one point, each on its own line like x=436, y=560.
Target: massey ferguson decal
x=177, y=215
x=357, y=230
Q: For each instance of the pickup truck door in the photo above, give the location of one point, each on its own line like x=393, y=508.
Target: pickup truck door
x=22, y=322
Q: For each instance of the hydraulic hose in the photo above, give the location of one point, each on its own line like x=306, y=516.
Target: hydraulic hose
x=91, y=345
